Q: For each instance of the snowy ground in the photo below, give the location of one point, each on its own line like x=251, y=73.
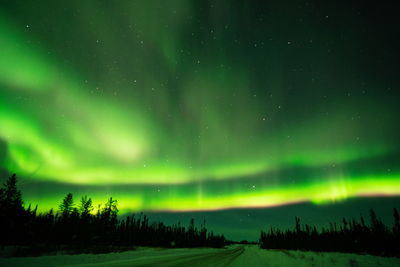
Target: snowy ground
x=249, y=256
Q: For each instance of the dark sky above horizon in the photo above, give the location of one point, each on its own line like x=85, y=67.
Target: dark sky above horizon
x=200, y=105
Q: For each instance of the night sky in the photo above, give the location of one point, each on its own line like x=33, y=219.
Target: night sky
x=203, y=106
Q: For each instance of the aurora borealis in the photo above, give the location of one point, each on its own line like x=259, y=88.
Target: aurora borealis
x=199, y=105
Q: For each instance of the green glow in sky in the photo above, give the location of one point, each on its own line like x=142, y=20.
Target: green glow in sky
x=176, y=96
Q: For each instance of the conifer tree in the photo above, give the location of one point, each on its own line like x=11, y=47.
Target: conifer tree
x=67, y=205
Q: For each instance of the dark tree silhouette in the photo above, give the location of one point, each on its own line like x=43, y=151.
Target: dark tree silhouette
x=86, y=206
x=78, y=229
x=351, y=236
x=67, y=205
x=396, y=225
x=10, y=196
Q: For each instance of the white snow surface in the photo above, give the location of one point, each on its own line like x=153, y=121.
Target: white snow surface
x=237, y=255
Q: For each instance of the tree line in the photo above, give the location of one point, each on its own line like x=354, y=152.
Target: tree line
x=353, y=236
x=77, y=226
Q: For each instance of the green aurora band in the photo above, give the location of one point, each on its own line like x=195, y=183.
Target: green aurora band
x=159, y=122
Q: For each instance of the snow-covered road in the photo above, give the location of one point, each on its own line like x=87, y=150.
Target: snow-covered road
x=248, y=256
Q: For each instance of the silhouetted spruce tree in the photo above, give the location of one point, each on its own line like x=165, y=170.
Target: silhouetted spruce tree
x=108, y=219
x=10, y=196
x=396, y=224
x=86, y=207
x=67, y=205
x=12, y=213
